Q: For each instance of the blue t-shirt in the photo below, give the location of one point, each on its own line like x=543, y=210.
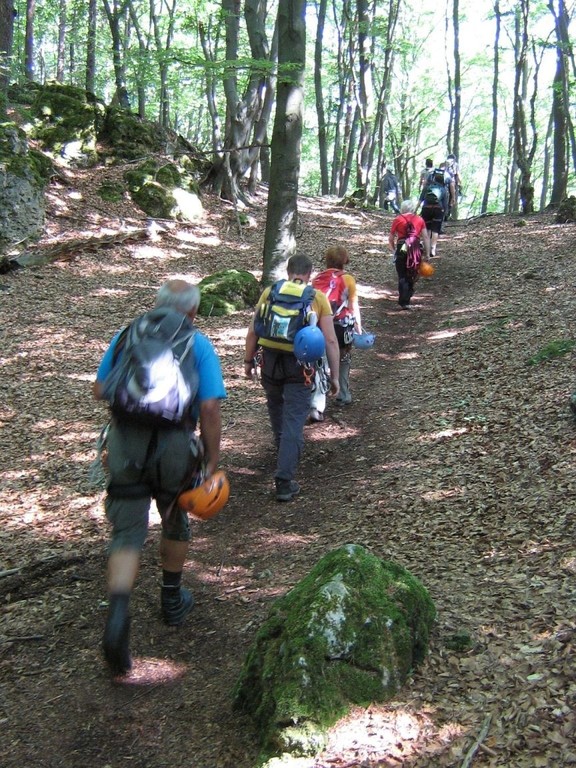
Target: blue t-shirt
x=210, y=381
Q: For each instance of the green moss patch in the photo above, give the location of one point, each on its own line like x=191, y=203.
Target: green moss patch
x=227, y=291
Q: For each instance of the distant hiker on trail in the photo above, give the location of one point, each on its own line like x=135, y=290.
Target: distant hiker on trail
x=406, y=232
x=434, y=197
x=425, y=173
x=160, y=376
x=340, y=289
x=453, y=169
x=389, y=191
x=289, y=333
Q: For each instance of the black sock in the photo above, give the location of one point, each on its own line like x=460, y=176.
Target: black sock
x=171, y=579
x=118, y=601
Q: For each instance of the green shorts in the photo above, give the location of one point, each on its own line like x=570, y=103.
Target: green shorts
x=146, y=463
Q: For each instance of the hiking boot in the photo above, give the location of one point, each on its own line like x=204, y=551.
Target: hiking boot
x=315, y=415
x=116, y=639
x=286, y=490
x=176, y=603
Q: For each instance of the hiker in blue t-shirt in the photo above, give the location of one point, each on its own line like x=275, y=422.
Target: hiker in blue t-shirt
x=146, y=462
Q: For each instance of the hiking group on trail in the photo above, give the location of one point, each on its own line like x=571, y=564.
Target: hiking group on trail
x=162, y=380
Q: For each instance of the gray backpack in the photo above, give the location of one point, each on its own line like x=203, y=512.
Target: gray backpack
x=154, y=378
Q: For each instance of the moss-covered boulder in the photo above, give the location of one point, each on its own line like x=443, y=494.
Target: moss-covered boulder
x=566, y=210
x=130, y=137
x=24, y=173
x=348, y=634
x=227, y=291
x=66, y=121
x=164, y=190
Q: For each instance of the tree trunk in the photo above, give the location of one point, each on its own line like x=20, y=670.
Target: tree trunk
x=29, y=40
x=91, y=48
x=322, y=141
x=365, y=97
x=560, y=104
x=6, y=45
x=115, y=15
x=494, y=134
x=457, y=107
x=240, y=149
x=61, y=55
x=282, y=213
x=523, y=152
x=163, y=48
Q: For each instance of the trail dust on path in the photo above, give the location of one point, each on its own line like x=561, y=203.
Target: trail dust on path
x=456, y=460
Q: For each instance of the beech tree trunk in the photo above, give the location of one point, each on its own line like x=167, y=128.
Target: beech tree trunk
x=282, y=213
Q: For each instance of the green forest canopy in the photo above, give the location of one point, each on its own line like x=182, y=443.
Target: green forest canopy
x=384, y=81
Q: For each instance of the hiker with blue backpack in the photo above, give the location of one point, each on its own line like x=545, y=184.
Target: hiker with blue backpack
x=289, y=333
x=339, y=287
x=410, y=243
x=161, y=377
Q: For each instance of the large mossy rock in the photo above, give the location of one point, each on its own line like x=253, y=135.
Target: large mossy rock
x=227, y=291
x=24, y=174
x=566, y=211
x=348, y=634
x=65, y=120
x=165, y=190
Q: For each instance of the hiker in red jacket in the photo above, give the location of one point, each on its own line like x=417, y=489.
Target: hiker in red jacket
x=408, y=235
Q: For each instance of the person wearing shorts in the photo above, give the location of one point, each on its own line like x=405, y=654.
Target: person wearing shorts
x=147, y=462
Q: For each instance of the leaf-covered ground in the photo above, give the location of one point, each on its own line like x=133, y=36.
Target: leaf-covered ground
x=457, y=459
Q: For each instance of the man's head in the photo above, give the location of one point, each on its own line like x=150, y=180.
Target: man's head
x=407, y=206
x=299, y=266
x=336, y=257
x=429, y=162
x=180, y=295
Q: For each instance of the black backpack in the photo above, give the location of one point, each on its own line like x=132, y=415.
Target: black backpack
x=154, y=379
x=284, y=313
x=434, y=194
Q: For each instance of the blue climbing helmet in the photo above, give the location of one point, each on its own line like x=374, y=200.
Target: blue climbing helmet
x=309, y=344
x=363, y=340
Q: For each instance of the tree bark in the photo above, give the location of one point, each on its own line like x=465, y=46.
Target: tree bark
x=115, y=14
x=29, y=40
x=91, y=47
x=6, y=45
x=61, y=55
x=282, y=213
x=320, y=111
x=561, y=105
x=494, y=134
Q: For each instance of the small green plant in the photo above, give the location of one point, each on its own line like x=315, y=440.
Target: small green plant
x=552, y=350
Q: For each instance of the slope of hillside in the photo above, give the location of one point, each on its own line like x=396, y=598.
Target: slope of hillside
x=457, y=459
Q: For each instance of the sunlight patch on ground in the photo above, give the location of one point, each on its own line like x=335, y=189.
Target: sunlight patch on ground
x=443, y=433
x=338, y=432
x=475, y=308
x=151, y=252
x=451, y=332
x=371, y=292
x=367, y=737
x=441, y=494
x=152, y=671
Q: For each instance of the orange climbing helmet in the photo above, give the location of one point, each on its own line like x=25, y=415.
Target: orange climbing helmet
x=208, y=498
x=426, y=269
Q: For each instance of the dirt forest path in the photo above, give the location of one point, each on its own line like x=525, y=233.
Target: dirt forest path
x=457, y=460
